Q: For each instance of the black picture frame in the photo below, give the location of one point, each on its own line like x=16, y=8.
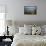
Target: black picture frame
x=30, y=10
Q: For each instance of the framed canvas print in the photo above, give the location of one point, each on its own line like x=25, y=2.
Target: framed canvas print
x=30, y=10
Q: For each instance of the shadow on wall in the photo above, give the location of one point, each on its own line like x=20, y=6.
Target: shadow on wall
x=21, y=23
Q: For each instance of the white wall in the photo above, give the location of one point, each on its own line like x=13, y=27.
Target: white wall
x=41, y=11
x=15, y=9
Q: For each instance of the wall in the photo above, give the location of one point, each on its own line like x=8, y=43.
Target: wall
x=15, y=9
x=41, y=12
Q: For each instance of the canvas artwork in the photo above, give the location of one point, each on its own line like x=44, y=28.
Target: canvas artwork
x=30, y=10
